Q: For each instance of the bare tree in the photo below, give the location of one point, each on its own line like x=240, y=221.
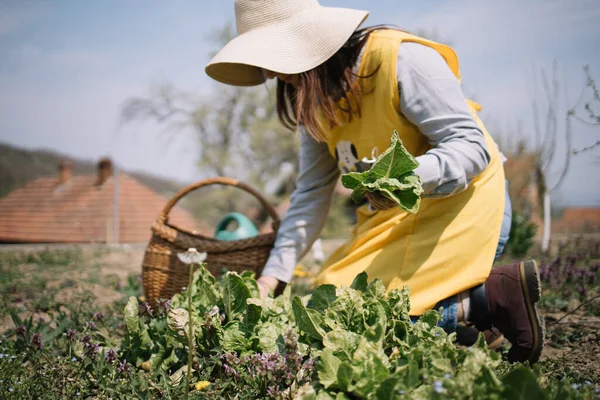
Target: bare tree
x=548, y=179
x=237, y=127
x=592, y=118
x=239, y=134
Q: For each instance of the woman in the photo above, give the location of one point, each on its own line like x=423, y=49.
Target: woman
x=346, y=90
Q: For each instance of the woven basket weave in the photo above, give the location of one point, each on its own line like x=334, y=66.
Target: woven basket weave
x=165, y=275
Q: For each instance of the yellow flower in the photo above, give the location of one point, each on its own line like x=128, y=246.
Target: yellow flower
x=299, y=272
x=147, y=366
x=202, y=385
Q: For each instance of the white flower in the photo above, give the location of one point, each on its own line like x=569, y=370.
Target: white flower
x=191, y=256
x=438, y=387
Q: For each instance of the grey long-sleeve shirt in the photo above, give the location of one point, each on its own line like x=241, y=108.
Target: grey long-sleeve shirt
x=431, y=98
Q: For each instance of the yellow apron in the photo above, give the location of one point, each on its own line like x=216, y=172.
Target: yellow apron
x=449, y=245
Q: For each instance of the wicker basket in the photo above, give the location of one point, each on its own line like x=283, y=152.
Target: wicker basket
x=165, y=275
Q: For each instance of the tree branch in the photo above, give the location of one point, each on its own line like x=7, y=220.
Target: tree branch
x=568, y=154
x=588, y=148
x=575, y=309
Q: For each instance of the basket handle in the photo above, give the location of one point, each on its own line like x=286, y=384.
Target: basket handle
x=164, y=215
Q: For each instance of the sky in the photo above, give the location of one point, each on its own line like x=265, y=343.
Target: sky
x=67, y=67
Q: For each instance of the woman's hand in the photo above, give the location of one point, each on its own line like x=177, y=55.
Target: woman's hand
x=379, y=201
x=266, y=284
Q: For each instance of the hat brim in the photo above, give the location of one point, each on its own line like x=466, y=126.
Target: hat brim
x=295, y=45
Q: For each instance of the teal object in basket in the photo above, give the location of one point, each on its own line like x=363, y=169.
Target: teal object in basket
x=245, y=227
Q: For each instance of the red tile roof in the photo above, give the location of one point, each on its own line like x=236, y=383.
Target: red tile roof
x=45, y=211
x=579, y=220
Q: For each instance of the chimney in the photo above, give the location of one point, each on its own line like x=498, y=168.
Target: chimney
x=105, y=170
x=65, y=171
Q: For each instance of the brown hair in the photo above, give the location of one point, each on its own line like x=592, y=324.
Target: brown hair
x=321, y=88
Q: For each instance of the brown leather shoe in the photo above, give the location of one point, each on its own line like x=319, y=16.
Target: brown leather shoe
x=512, y=291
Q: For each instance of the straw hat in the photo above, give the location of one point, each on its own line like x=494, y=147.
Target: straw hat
x=284, y=36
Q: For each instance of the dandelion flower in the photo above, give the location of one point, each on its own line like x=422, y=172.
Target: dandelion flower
x=147, y=366
x=191, y=256
x=201, y=385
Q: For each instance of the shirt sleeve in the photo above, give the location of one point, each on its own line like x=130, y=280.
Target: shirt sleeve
x=432, y=99
x=309, y=205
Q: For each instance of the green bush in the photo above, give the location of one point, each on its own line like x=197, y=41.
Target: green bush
x=522, y=233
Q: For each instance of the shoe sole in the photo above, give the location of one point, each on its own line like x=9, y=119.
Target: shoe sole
x=532, y=291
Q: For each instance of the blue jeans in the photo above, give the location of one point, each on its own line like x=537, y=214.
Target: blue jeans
x=450, y=305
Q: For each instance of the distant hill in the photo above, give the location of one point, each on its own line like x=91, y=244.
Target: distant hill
x=19, y=166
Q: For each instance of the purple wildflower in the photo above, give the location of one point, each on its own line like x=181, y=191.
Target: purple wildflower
x=123, y=368
x=145, y=309
x=273, y=392
x=229, y=371
x=71, y=334
x=309, y=365
x=582, y=290
x=36, y=341
x=99, y=316
x=163, y=307
x=90, y=325
x=90, y=349
x=110, y=356
x=21, y=331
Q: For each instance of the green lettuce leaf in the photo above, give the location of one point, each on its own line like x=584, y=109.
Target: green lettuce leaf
x=346, y=311
x=322, y=297
x=235, y=294
x=269, y=336
x=344, y=377
x=177, y=321
x=234, y=339
x=342, y=343
x=360, y=282
x=205, y=292
x=521, y=384
x=131, y=315
x=308, y=320
x=370, y=368
x=328, y=369
x=391, y=175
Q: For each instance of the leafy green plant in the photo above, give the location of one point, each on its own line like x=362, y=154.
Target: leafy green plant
x=355, y=342
x=390, y=175
x=349, y=342
x=522, y=233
